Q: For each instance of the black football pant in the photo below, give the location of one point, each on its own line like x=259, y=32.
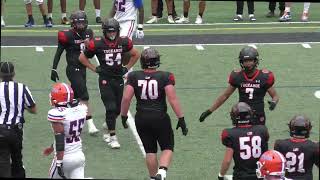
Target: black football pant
x=11, y=145
x=240, y=5
x=272, y=6
x=111, y=90
x=78, y=79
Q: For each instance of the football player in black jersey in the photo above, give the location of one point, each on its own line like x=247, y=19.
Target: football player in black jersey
x=252, y=85
x=300, y=152
x=109, y=50
x=74, y=41
x=244, y=143
x=153, y=124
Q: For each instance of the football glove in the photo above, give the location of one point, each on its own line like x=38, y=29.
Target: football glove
x=182, y=124
x=98, y=69
x=124, y=121
x=54, y=75
x=60, y=169
x=204, y=115
x=124, y=70
x=272, y=105
x=139, y=32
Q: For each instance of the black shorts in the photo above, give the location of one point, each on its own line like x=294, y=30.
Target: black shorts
x=111, y=91
x=259, y=118
x=78, y=80
x=153, y=128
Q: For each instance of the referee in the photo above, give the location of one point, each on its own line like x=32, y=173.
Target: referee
x=14, y=98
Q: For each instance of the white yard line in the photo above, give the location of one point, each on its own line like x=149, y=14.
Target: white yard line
x=199, y=47
x=306, y=45
x=181, y=45
x=39, y=49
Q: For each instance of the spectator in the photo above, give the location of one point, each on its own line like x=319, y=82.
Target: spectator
x=3, y=24
x=42, y=8
x=272, y=7
x=186, y=6
x=287, y=12
x=63, y=6
x=96, y=3
x=154, y=8
x=239, y=16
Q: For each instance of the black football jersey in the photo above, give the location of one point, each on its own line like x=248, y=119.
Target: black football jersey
x=248, y=144
x=73, y=43
x=149, y=89
x=252, y=90
x=300, y=156
x=109, y=54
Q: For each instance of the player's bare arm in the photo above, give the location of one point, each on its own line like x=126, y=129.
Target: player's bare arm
x=113, y=10
x=226, y=161
x=126, y=99
x=85, y=61
x=173, y=100
x=141, y=14
x=134, y=56
x=222, y=98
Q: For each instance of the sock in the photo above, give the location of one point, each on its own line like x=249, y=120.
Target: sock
x=49, y=15
x=169, y=14
x=30, y=17
x=306, y=7
x=44, y=18
x=251, y=15
x=185, y=14
x=63, y=15
x=200, y=14
x=163, y=167
x=112, y=134
x=152, y=178
x=98, y=12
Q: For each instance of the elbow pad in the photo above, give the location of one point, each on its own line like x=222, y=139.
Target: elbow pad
x=59, y=137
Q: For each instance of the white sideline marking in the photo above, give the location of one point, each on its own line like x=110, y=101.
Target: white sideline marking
x=146, y=47
x=204, y=24
x=133, y=129
x=199, y=47
x=305, y=45
x=317, y=94
x=39, y=49
x=181, y=45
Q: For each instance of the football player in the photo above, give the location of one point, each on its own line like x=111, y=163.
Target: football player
x=271, y=166
x=301, y=154
x=109, y=50
x=244, y=143
x=67, y=118
x=252, y=85
x=153, y=124
x=125, y=12
x=74, y=41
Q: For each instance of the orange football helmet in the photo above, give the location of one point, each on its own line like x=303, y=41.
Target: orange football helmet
x=271, y=163
x=61, y=94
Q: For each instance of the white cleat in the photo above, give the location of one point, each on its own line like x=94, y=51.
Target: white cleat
x=153, y=19
x=3, y=24
x=198, y=20
x=170, y=19
x=106, y=138
x=183, y=20
x=93, y=131
x=114, y=144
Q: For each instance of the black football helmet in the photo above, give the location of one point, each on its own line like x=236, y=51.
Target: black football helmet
x=150, y=58
x=241, y=114
x=6, y=70
x=300, y=126
x=248, y=53
x=110, y=25
x=79, y=21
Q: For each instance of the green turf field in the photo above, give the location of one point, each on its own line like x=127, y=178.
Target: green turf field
x=200, y=77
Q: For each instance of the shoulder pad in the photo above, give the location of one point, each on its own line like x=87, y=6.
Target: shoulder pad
x=56, y=114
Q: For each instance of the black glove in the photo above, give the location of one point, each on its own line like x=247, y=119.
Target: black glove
x=124, y=121
x=124, y=70
x=272, y=105
x=182, y=124
x=204, y=115
x=60, y=169
x=54, y=75
x=98, y=69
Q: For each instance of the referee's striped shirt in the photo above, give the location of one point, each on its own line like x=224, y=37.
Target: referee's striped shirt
x=14, y=97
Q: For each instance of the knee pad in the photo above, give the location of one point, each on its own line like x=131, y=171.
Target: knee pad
x=39, y=2
x=27, y=1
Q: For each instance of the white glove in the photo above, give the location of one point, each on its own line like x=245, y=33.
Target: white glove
x=139, y=32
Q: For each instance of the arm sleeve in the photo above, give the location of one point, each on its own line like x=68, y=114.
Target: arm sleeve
x=90, y=51
x=57, y=56
x=226, y=139
x=28, y=99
